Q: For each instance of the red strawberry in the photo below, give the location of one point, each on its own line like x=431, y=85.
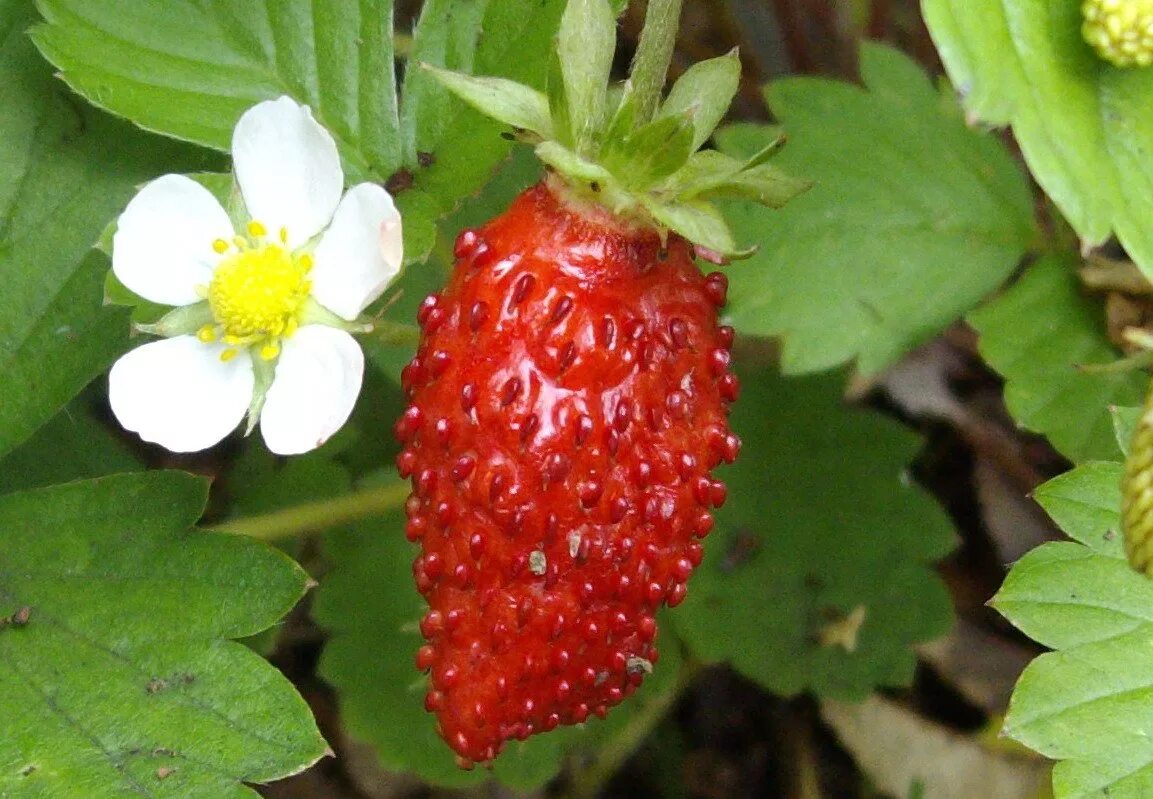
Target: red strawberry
x=570, y=393
x=568, y=400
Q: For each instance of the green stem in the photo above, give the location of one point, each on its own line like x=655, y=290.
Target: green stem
x=654, y=52
x=614, y=751
x=321, y=515
x=395, y=334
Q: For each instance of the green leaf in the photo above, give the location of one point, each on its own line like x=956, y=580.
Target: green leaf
x=912, y=220
x=65, y=171
x=446, y=35
x=1036, y=335
x=1087, y=703
x=1086, y=503
x=585, y=45
x=1084, y=127
x=189, y=70
x=504, y=100
x=371, y=610
x=121, y=682
x=1064, y=594
x=822, y=519
x=466, y=146
x=75, y=444
x=705, y=91
x=1125, y=421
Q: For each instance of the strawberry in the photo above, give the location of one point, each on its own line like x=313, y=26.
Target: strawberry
x=568, y=401
x=569, y=396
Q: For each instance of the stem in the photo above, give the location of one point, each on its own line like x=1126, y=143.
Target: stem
x=614, y=751
x=320, y=515
x=654, y=52
x=395, y=334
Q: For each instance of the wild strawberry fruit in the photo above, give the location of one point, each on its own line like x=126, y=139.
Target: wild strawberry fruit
x=569, y=398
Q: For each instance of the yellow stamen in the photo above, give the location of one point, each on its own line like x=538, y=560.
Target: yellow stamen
x=284, y=235
x=257, y=294
x=228, y=355
x=220, y=245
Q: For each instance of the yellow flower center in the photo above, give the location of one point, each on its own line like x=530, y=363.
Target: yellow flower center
x=1121, y=31
x=257, y=293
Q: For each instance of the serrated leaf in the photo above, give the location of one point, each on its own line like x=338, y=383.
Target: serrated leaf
x=446, y=35
x=704, y=92
x=1064, y=594
x=913, y=218
x=504, y=100
x=1086, y=503
x=1087, y=703
x=368, y=604
x=120, y=682
x=1036, y=335
x=821, y=520
x=1088, y=707
x=1084, y=126
x=65, y=171
x=585, y=45
x=518, y=38
x=1125, y=421
x=190, y=69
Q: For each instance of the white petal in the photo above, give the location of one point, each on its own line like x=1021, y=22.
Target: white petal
x=163, y=244
x=287, y=167
x=360, y=253
x=178, y=393
x=317, y=380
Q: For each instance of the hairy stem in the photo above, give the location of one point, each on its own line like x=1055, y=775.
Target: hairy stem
x=321, y=515
x=654, y=52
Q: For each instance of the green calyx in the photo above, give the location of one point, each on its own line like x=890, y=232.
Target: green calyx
x=623, y=146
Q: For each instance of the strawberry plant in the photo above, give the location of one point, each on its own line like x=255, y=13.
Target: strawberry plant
x=575, y=398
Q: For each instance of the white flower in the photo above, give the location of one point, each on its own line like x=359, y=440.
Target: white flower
x=265, y=312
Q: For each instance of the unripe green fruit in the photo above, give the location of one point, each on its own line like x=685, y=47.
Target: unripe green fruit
x=1137, y=493
x=1121, y=31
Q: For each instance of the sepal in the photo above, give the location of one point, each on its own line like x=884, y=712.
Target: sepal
x=705, y=91
x=512, y=103
x=700, y=223
x=585, y=45
x=181, y=321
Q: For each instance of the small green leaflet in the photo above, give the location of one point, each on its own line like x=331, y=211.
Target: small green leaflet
x=912, y=219
x=1087, y=704
x=822, y=520
x=1084, y=126
x=1036, y=335
x=116, y=675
